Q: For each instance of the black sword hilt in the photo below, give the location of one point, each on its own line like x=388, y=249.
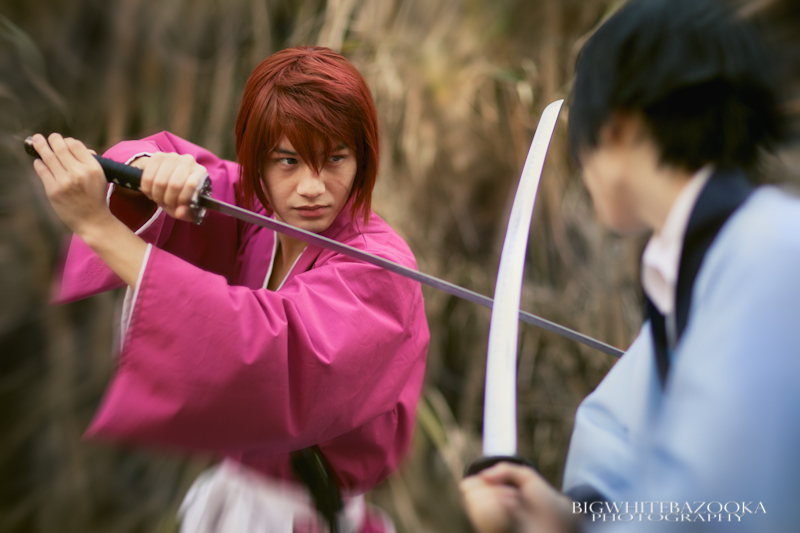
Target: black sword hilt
x=314, y=470
x=131, y=178
x=487, y=462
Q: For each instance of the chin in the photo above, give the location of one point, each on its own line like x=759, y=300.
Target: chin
x=620, y=220
x=314, y=226
x=627, y=228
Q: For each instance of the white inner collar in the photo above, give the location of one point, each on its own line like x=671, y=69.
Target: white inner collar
x=662, y=255
x=275, y=244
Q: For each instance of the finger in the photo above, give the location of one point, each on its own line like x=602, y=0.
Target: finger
x=149, y=172
x=179, y=180
x=490, y=507
x=195, y=178
x=84, y=156
x=86, y=171
x=475, y=491
x=470, y=483
x=183, y=212
x=141, y=162
x=493, y=495
x=508, y=473
x=163, y=176
x=79, y=150
x=46, y=154
x=507, y=496
x=48, y=180
x=61, y=150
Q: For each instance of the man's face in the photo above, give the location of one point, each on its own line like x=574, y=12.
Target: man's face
x=301, y=197
x=615, y=172
x=605, y=176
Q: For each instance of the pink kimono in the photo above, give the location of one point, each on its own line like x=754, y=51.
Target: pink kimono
x=212, y=361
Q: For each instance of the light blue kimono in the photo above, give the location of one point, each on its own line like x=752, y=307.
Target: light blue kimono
x=727, y=426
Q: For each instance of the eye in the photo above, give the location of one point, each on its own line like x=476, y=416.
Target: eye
x=336, y=158
x=285, y=161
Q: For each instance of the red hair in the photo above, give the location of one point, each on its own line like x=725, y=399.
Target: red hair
x=319, y=101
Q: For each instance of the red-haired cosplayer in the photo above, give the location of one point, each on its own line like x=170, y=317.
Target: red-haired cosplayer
x=240, y=341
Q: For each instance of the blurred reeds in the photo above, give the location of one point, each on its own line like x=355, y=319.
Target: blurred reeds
x=459, y=85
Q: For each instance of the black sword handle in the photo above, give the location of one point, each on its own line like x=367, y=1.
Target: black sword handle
x=487, y=462
x=131, y=178
x=313, y=469
x=118, y=173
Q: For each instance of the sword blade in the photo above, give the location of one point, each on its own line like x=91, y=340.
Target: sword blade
x=437, y=283
x=500, y=395
x=128, y=176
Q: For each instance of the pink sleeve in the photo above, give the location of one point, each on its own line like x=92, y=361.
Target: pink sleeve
x=212, y=367
x=212, y=245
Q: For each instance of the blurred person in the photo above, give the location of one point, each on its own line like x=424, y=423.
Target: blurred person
x=696, y=427
x=238, y=341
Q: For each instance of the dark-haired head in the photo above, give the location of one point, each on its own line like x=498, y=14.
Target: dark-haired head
x=700, y=78
x=319, y=101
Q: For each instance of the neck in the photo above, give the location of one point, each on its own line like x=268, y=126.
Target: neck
x=291, y=249
x=663, y=188
x=652, y=185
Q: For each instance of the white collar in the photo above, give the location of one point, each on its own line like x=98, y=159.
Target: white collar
x=662, y=255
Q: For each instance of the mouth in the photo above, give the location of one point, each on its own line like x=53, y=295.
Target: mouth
x=311, y=211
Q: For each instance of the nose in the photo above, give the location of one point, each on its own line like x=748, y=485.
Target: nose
x=310, y=184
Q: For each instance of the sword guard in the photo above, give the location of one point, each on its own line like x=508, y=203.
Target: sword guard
x=203, y=189
x=487, y=462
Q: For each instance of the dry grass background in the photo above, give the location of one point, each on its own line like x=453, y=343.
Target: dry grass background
x=459, y=86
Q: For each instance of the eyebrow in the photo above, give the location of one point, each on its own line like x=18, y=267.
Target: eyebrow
x=284, y=151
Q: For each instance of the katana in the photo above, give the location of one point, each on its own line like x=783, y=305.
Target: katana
x=130, y=177
x=500, y=393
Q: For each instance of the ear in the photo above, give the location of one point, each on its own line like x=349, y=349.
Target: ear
x=623, y=129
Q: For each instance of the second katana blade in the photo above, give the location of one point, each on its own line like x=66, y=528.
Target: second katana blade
x=500, y=396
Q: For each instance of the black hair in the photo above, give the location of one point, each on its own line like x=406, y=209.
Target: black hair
x=700, y=77
x=779, y=22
